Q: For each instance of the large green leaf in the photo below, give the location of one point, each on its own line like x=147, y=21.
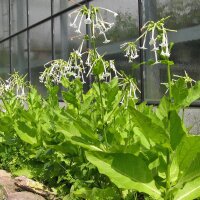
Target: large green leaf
x=151, y=130
x=126, y=171
x=185, y=100
x=192, y=172
x=26, y=132
x=73, y=135
x=176, y=129
x=163, y=108
x=190, y=191
x=187, y=151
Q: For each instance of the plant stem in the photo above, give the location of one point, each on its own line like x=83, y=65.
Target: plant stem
x=167, y=196
x=92, y=41
x=102, y=111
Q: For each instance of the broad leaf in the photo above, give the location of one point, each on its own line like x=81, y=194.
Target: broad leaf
x=190, y=191
x=26, y=133
x=151, y=130
x=126, y=171
x=186, y=151
x=192, y=95
x=176, y=129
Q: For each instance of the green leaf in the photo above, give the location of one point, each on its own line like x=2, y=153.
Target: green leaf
x=163, y=108
x=186, y=151
x=192, y=95
x=176, y=129
x=98, y=194
x=192, y=172
x=190, y=191
x=98, y=67
x=179, y=91
x=151, y=130
x=126, y=171
x=26, y=133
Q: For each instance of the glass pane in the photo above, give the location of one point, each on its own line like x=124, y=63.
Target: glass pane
x=185, y=19
x=39, y=10
x=4, y=19
x=19, y=53
x=65, y=38
x=60, y=5
x=40, y=52
x=4, y=60
x=18, y=15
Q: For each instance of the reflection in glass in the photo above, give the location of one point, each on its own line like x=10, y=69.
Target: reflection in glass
x=19, y=53
x=4, y=19
x=60, y=5
x=40, y=52
x=186, y=20
x=39, y=10
x=4, y=60
x=18, y=15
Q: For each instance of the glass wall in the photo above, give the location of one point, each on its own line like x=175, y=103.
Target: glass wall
x=33, y=32
x=185, y=18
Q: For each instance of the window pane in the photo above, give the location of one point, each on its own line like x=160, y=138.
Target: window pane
x=4, y=60
x=19, y=53
x=60, y=5
x=39, y=10
x=185, y=18
x=40, y=52
x=18, y=15
x=4, y=19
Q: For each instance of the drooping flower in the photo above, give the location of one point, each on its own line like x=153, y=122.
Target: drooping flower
x=158, y=42
x=15, y=84
x=94, y=19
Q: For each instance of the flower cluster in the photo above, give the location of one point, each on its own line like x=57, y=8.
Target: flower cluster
x=130, y=50
x=62, y=69
x=16, y=84
x=158, y=42
x=186, y=78
x=93, y=18
x=128, y=85
x=106, y=69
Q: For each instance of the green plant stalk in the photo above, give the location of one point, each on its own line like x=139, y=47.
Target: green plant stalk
x=167, y=196
x=100, y=92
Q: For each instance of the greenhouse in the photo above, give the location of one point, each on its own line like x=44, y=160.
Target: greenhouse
x=99, y=99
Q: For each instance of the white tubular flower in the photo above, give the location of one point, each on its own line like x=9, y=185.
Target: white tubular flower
x=186, y=78
x=130, y=50
x=152, y=29
x=88, y=19
x=94, y=19
x=129, y=86
x=73, y=24
x=15, y=84
x=79, y=26
x=144, y=41
x=110, y=11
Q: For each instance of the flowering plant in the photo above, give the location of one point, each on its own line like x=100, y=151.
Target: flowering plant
x=103, y=143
